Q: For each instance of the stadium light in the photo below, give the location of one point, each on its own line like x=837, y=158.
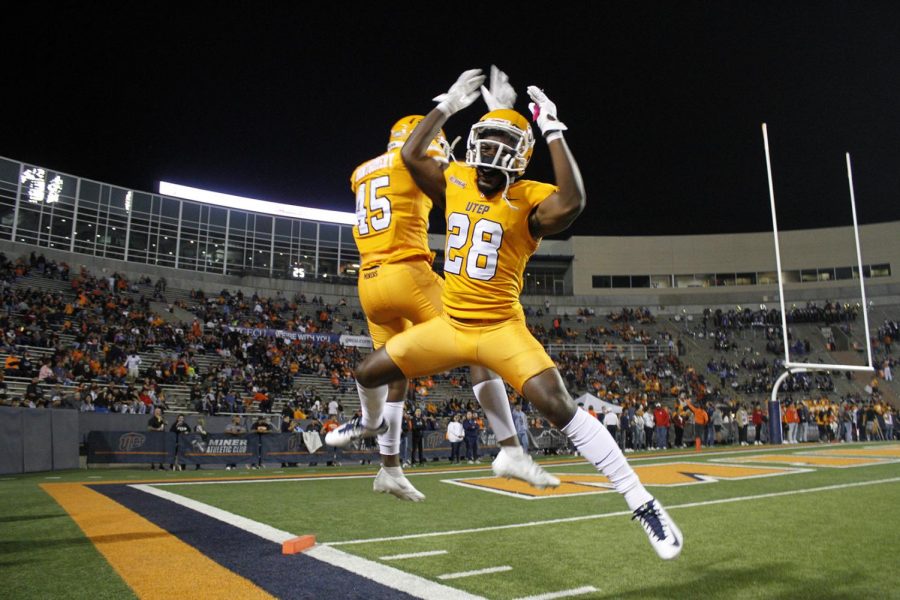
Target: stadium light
x=253, y=205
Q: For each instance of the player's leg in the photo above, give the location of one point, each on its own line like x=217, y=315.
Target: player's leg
x=512, y=460
x=593, y=441
x=390, y=478
x=519, y=358
x=383, y=321
x=394, y=297
x=425, y=349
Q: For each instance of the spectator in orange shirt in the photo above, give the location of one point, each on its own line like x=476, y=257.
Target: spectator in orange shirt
x=701, y=418
x=261, y=397
x=792, y=418
x=12, y=364
x=330, y=425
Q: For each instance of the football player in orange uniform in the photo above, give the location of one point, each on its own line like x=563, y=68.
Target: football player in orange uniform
x=397, y=289
x=495, y=221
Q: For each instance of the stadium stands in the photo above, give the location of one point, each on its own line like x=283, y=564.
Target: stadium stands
x=201, y=350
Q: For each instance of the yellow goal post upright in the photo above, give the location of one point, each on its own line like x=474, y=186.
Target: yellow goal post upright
x=790, y=366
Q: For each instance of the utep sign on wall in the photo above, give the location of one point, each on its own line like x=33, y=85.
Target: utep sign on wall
x=130, y=447
x=144, y=447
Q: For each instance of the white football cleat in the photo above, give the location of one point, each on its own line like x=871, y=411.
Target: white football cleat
x=665, y=537
x=353, y=429
x=524, y=468
x=400, y=487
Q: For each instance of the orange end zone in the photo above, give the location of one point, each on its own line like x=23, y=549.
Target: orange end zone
x=298, y=544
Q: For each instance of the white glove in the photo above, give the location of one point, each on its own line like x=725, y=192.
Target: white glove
x=462, y=93
x=543, y=111
x=501, y=94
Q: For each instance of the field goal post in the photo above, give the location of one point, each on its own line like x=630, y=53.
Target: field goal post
x=791, y=367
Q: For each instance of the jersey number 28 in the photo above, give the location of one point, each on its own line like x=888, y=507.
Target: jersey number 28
x=481, y=260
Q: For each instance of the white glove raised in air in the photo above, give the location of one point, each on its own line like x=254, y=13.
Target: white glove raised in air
x=543, y=110
x=462, y=93
x=501, y=94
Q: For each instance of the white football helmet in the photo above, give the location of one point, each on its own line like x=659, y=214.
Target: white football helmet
x=484, y=149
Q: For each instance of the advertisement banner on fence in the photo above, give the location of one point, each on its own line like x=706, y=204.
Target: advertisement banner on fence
x=294, y=448
x=194, y=448
x=360, y=341
x=316, y=338
x=130, y=447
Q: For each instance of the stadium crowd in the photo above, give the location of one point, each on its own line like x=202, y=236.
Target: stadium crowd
x=99, y=346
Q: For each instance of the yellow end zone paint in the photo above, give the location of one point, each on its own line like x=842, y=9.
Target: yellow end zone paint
x=571, y=485
x=810, y=460
x=892, y=451
x=668, y=474
x=153, y=562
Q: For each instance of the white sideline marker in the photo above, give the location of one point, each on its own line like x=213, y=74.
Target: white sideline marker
x=413, y=555
x=486, y=571
x=415, y=586
x=562, y=594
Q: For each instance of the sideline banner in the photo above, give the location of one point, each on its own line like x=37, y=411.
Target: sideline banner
x=434, y=444
x=222, y=449
x=295, y=448
x=317, y=338
x=361, y=341
x=246, y=449
x=130, y=447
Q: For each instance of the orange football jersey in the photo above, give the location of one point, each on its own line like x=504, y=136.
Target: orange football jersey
x=391, y=212
x=488, y=245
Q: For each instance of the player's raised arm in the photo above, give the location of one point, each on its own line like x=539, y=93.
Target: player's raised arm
x=561, y=208
x=427, y=173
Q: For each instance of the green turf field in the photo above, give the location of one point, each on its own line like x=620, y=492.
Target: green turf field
x=811, y=527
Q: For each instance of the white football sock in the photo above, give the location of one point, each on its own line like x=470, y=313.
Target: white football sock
x=372, y=401
x=395, y=472
x=389, y=442
x=596, y=444
x=491, y=394
x=512, y=451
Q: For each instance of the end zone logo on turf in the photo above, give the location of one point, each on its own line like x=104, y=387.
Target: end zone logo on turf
x=669, y=474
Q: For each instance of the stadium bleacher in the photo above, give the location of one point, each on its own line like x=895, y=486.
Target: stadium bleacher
x=627, y=355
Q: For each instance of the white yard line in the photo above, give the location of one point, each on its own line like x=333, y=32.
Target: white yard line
x=562, y=594
x=413, y=555
x=413, y=585
x=262, y=530
x=486, y=571
x=416, y=586
x=613, y=514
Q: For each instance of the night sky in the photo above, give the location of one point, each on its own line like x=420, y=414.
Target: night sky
x=664, y=100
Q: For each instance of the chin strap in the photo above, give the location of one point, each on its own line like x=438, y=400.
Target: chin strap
x=506, y=189
x=452, y=146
